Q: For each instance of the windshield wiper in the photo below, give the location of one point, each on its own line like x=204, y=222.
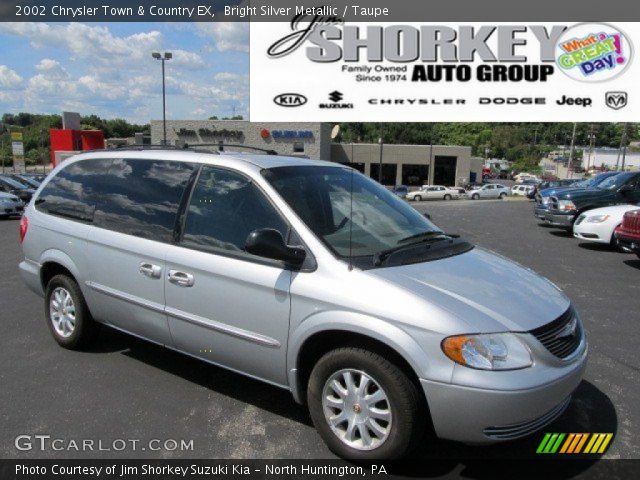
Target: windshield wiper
x=381, y=256
x=420, y=236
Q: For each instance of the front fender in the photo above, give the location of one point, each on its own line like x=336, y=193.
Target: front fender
x=388, y=333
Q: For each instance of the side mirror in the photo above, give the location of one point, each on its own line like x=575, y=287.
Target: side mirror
x=268, y=243
x=427, y=216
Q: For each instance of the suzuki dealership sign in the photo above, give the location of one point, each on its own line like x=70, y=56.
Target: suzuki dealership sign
x=442, y=72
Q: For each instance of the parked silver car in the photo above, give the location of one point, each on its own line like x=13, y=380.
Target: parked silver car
x=490, y=190
x=311, y=277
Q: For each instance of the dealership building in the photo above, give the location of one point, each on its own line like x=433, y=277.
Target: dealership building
x=411, y=165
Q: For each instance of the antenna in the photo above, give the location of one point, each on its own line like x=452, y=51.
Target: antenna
x=351, y=222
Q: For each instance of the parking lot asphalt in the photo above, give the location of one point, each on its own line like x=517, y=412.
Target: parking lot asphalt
x=125, y=388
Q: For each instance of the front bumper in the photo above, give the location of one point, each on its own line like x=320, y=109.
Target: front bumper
x=8, y=209
x=539, y=211
x=563, y=220
x=628, y=243
x=483, y=415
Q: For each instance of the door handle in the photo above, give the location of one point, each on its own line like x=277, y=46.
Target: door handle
x=182, y=279
x=150, y=270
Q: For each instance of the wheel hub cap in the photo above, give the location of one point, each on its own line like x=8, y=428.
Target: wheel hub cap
x=357, y=409
x=62, y=312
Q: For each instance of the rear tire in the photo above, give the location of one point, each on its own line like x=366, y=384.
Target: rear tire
x=364, y=434
x=503, y=196
x=67, y=314
x=447, y=197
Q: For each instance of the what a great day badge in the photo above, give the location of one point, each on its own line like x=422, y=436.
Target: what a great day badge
x=593, y=52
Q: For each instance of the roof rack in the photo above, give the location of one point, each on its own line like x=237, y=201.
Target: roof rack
x=186, y=146
x=234, y=145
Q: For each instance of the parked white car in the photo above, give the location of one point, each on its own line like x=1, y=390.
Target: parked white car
x=490, y=190
x=522, y=177
x=433, y=192
x=597, y=225
x=522, y=190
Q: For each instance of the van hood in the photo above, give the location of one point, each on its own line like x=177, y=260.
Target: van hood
x=485, y=291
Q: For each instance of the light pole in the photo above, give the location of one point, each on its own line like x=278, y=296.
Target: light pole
x=381, y=143
x=163, y=58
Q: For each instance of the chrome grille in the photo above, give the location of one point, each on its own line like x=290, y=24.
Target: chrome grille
x=631, y=222
x=510, y=432
x=562, y=336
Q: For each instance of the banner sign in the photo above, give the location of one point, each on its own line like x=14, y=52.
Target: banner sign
x=324, y=69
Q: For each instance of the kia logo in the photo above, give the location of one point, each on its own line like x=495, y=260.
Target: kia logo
x=290, y=100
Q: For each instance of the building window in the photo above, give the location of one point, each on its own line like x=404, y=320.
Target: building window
x=298, y=147
x=388, y=173
x=415, y=175
x=356, y=166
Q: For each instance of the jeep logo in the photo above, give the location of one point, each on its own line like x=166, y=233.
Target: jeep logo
x=616, y=100
x=290, y=100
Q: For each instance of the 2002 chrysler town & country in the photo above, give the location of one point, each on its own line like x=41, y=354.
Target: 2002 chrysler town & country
x=309, y=276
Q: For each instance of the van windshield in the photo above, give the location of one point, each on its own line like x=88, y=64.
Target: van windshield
x=321, y=197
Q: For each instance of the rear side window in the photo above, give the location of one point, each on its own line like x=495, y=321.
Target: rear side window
x=142, y=197
x=73, y=191
x=225, y=208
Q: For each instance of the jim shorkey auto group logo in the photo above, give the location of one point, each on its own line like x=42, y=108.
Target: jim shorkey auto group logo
x=591, y=52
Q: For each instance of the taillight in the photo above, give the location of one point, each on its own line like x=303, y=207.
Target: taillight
x=24, y=226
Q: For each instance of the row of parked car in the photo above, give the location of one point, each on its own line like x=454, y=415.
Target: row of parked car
x=440, y=192
x=602, y=209
x=16, y=191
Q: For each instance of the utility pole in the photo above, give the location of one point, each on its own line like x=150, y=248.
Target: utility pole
x=572, y=149
x=624, y=145
x=592, y=139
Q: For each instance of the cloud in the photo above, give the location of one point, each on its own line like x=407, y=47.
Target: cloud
x=9, y=79
x=228, y=36
x=52, y=69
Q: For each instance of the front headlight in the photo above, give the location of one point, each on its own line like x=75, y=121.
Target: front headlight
x=597, y=219
x=545, y=200
x=493, y=351
x=566, y=205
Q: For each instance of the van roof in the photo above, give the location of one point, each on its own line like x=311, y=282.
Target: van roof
x=226, y=157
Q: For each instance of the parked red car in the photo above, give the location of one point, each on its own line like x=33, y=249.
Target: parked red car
x=628, y=233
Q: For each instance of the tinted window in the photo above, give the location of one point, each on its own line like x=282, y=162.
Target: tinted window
x=225, y=208
x=72, y=192
x=142, y=197
x=12, y=183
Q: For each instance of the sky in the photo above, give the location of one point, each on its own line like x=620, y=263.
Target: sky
x=107, y=69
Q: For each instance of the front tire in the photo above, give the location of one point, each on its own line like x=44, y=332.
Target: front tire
x=503, y=196
x=475, y=196
x=447, y=197
x=67, y=314
x=417, y=198
x=364, y=406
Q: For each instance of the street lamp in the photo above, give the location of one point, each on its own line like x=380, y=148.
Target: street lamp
x=381, y=143
x=167, y=56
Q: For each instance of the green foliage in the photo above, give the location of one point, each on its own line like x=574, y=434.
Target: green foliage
x=35, y=133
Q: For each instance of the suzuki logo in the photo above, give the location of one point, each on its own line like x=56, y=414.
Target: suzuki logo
x=616, y=100
x=336, y=96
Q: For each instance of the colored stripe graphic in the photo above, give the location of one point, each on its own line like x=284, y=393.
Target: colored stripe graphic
x=550, y=443
x=573, y=443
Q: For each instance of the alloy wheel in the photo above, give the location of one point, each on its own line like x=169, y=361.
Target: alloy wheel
x=357, y=409
x=62, y=312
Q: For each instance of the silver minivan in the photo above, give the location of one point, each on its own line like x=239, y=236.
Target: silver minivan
x=309, y=276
